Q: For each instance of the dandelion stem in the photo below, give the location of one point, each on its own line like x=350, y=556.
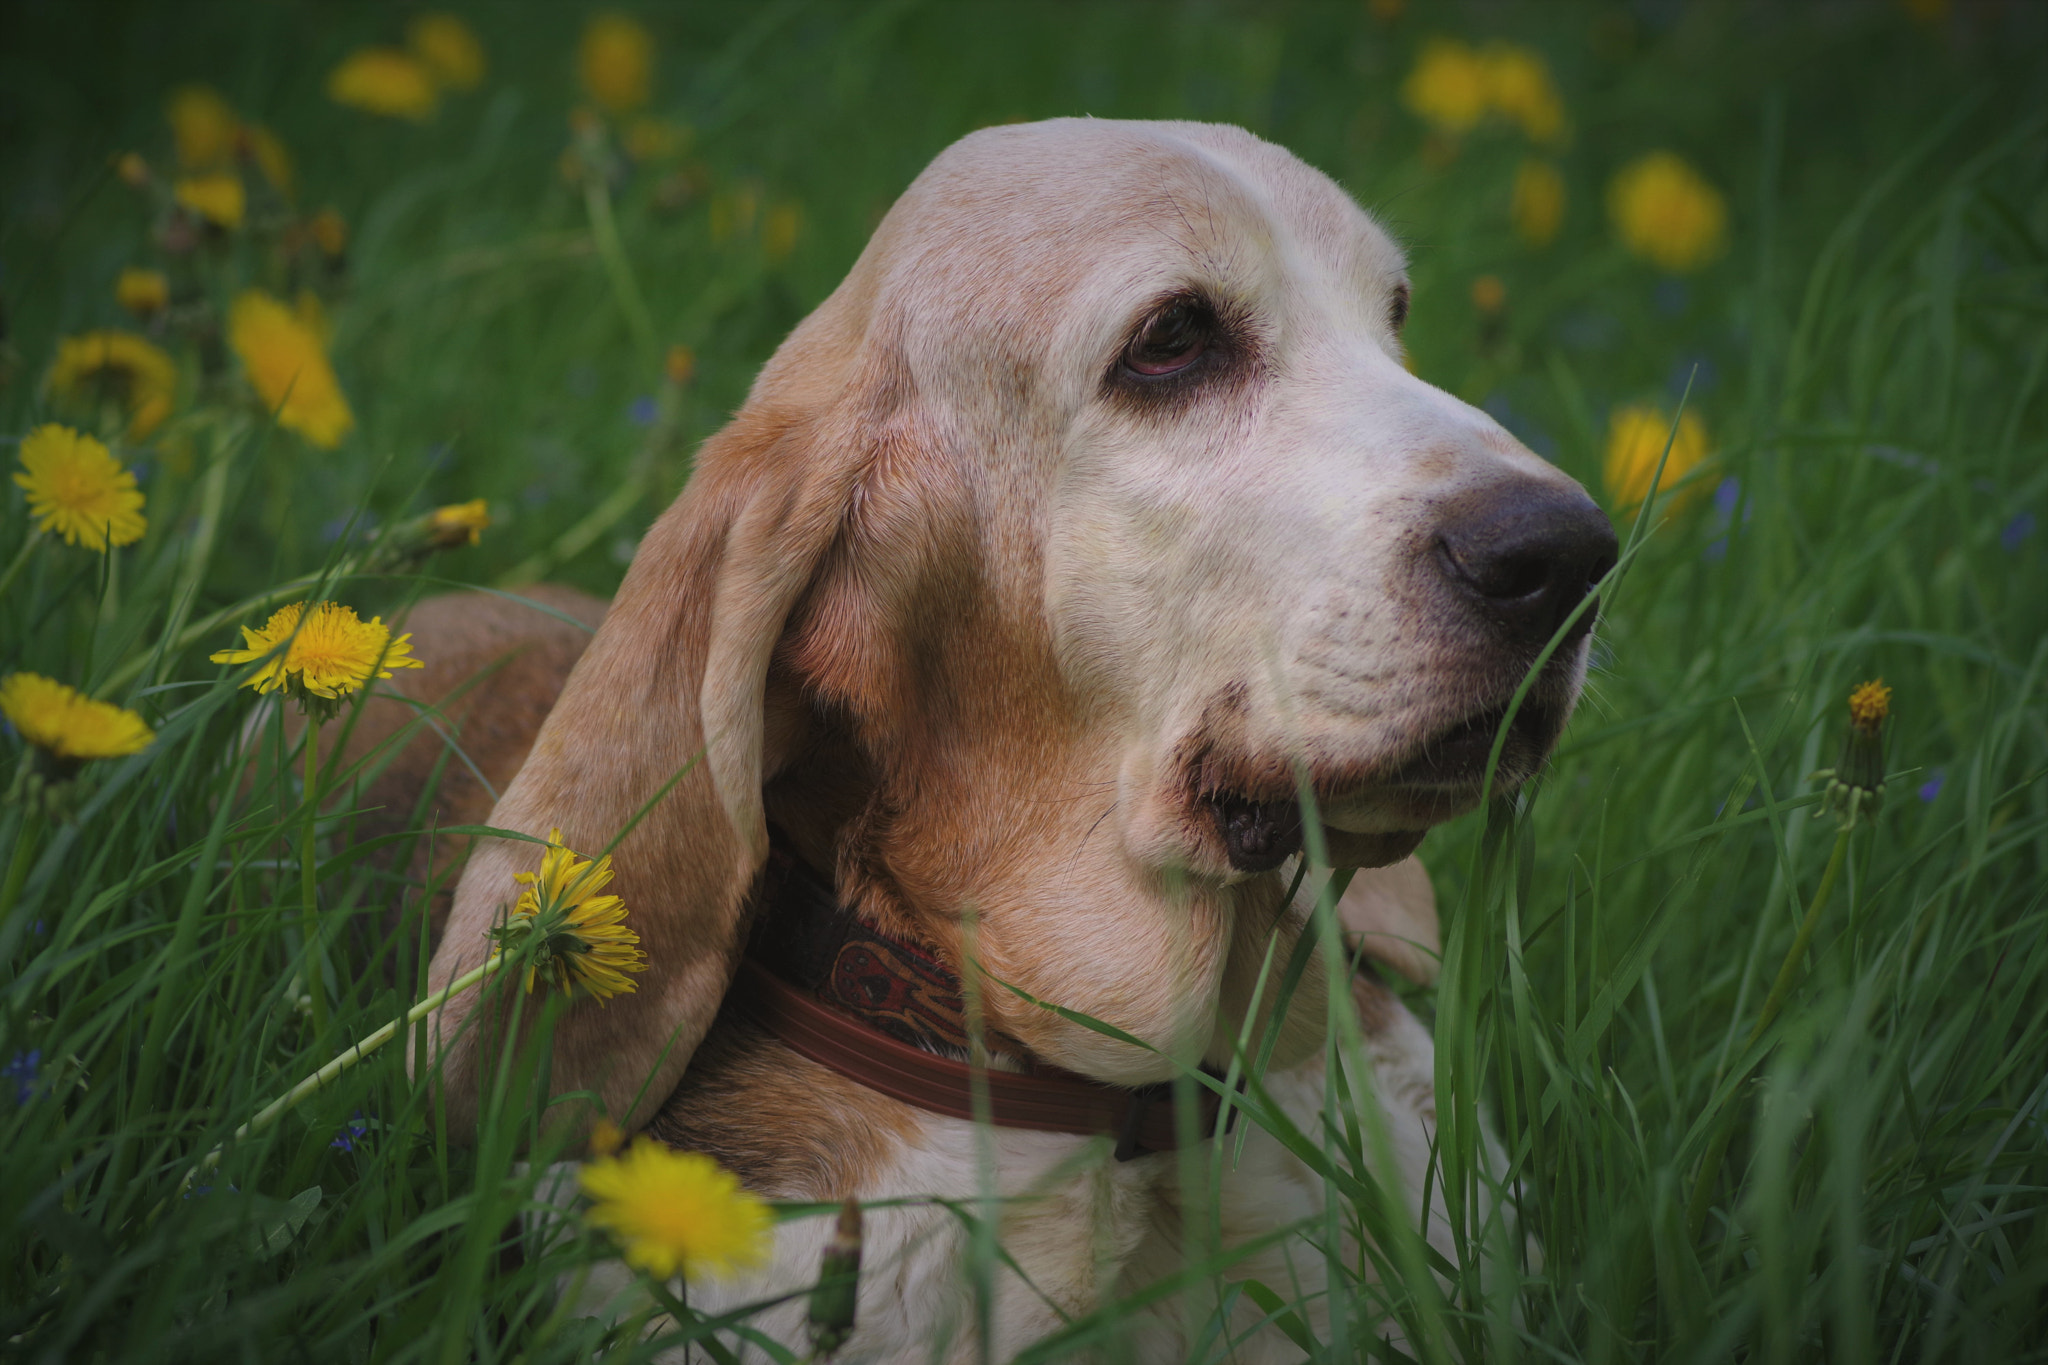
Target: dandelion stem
x=1788, y=974
x=20, y=559
x=326, y=1075
x=24, y=854
x=309, y=881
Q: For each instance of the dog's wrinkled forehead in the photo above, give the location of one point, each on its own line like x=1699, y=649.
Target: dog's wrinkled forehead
x=1039, y=243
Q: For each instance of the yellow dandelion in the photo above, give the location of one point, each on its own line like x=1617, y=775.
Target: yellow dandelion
x=677, y=1212
x=217, y=197
x=1869, y=705
x=579, y=938
x=1538, y=203
x=656, y=139
x=116, y=369
x=1635, y=442
x=288, y=366
x=267, y=150
x=1667, y=213
x=679, y=366
x=1518, y=85
x=387, y=81
x=615, y=62
x=606, y=1138
x=144, y=293
x=330, y=231
x=449, y=48
x=202, y=126
x=68, y=724
x=322, y=653
x=1489, y=295
x=77, y=490
x=1449, y=87
x=460, y=523
x=306, y=306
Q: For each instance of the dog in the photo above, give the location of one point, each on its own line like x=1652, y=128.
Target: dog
x=1092, y=521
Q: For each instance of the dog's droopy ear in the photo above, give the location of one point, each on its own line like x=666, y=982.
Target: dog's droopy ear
x=673, y=683
x=1392, y=912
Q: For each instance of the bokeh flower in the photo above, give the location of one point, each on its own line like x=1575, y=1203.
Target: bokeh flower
x=615, y=62
x=267, y=150
x=676, y=1212
x=386, y=81
x=449, y=49
x=1518, y=84
x=573, y=937
x=202, y=127
x=319, y=654
x=216, y=196
x=779, y=230
x=287, y=363
x=1489, y=294
x=1667, y=213
x=119, y=369
x=68, y=725
x=1636, y=434
x=1537, y=206
x=330, y=232
x=77, y=490
x=144, y=293
x=1449, y=87
x=679, y=364
x=460, y=523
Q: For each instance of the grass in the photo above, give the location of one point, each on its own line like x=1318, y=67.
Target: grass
x=1868, y=356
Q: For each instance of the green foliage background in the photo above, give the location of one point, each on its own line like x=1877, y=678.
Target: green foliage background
x=1868, y=356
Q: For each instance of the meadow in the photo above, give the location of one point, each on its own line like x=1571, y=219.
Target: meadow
x=1768, y=1093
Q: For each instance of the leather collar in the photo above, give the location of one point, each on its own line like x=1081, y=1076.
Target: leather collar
x=885, y=1013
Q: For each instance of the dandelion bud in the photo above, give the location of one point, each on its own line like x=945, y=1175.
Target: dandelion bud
x=838, y=1289
x=1856, y=782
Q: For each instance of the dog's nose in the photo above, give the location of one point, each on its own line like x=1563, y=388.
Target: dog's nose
x=1525, y=554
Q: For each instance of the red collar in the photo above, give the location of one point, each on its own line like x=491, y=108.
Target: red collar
x=872, y=1007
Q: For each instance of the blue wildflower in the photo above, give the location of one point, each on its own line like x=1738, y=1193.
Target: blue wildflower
x=1931, y=788
x=642, y=411
x=352, y=1132
x=24, y=1070
x=2016, y=532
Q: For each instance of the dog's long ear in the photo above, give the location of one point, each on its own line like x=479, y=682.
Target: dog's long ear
x=675, y=676
x=1392, y=911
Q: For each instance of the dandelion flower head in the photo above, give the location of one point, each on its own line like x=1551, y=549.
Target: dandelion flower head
x=386, y=81
x=216, y=196
x=203, y=127
x=322, y=651
x=676, y=1212
x=1635, y=442
x=77, y=490
x=1449, y=87
x=1869, y=705
x=461, y=523
x=582, y=936
x=615, y=62
x=144, y=293
x=449, y=48
x=68, y=724
x=288, y=366
x=121, y=369
x=1667, y=213
x=1537, y=205
x=1518, y=85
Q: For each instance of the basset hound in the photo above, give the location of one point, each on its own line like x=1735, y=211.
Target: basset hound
x=1091, y=521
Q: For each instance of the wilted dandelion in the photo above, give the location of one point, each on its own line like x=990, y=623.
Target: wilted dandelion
x=144, y=293
x=217, y=197
x=287, y=364
x=615, y=62
x=76, y=489
x=573, y=937
x=1667, y=213
x=117, y=369
x=1518, y=84
x=676, y=1212
x=1449, y=86
x=319, y=656
x=1636, y=434
x=448, y=48
x=1537, y=206
x=202, y=127
x=386, y=81
x=66, y=724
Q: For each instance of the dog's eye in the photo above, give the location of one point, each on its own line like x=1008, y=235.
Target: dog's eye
x=1397, y=307
x=1171, y=339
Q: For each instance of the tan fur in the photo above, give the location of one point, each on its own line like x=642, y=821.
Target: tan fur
x=990, y=636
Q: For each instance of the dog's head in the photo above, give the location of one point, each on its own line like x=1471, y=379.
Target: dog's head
x=1093, y=513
